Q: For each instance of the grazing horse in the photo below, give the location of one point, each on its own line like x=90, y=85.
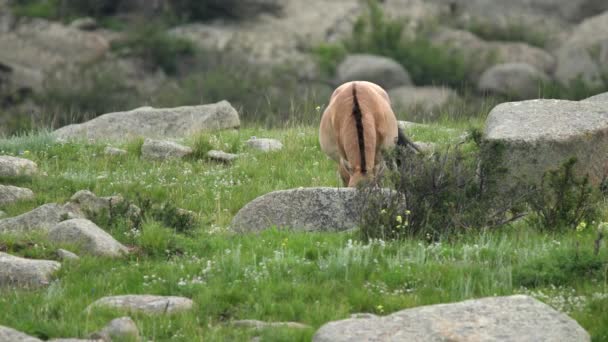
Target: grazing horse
x=356, y=126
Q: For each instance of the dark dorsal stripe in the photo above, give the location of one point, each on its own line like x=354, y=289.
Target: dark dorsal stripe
x=359, y=122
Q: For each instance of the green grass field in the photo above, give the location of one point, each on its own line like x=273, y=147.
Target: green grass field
x=310, y=278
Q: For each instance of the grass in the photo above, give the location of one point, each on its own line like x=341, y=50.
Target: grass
x=310, y=278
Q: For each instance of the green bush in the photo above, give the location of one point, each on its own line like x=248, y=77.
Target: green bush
x=512, y=32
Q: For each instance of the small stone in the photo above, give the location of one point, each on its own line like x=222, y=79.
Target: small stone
x=85, y=24
x=25, y=273
x=163, y=150
x=12, y=194
x=221, y=156
x=119, y=329
x=17, y=167
x=113, y=151
x=264, y=144
x=147, y=304
x=66, y=255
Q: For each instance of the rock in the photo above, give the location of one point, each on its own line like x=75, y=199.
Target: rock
x=597, y=98
x=17, y=167
x=264, y=144
x=42, y=218
x=307, y=209
x=113, y=151
x=426, y=147
x=383, y=71
x=87, y=204
x=66, y=255
x=541, y=135
x=163, y=150
x=584, y=54
x=119, y=329
x=89, y=236
x=517, y=80
x=154, y=123
x=147, y=304
x=36, y=47
x=514, y=318
x=11, y=335
x=426, y=98
x=20, y=272
x=522, y=53
x=85, y=24
x=221, y=156
x=11, y=194
x=255, y=324
x=2, y=214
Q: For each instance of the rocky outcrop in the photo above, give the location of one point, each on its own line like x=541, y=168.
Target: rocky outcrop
x=161, y=150
x=17, y=167
x=426, y=98
x=515, y=318
x=146, y=304
x=307, y=209
x=154, y=123
x=517, y=80
x=25, y=273
x=584, y=54
x=88, y=236
x=383, y=71
x=598, y=98
x=540, y=135
x=12, y=194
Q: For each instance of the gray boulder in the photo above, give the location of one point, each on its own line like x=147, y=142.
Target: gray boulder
x=11, y=335
x=427, y=98
x=383, y=71
x=66, y=255
x=264, y=144
x=84, y=203
x=25, y=273
x=11, y=194
x=147, y=304
x=154, y=123
x=597, y=98
x=221, y=156
x=517, y=80
x=163, y=150
x=42, y=218
x=119, y=329
x=585, y=53
x=515, y=318
x=89, y=236
x=17, y=167
x=307, y=209
x=540, y=135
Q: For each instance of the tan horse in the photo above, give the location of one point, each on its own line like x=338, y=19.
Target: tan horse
x=357, y=124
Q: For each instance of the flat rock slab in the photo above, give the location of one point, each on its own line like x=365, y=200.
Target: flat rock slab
x=89, y=236
x=154, y=123
x=11, y=335
x=308, y=209
x=222, y=156
x=510, y=319
x=540, y=135
x=17, y=167
x=28, y=273
x=145, y=303
x=12, y=194
x=163, y=150
x=264, y=144
x=42, y=218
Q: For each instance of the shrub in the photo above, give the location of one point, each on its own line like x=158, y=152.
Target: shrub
x=194, y=10
x=563, y=200
x=441, y=194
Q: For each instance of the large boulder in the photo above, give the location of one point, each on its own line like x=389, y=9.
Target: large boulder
x=88, y=236
x=598, y=98
x=11, y=194
x=147, y=304
x=154, y=123
x=11, y=335
x=42, y=218
x=17, y=167
x=383, y=71
x=517, y=80
x=514, y=318
x=427, y=98
x=584, y=54
x=540, y=135
x=307, y=209
x=27, y=273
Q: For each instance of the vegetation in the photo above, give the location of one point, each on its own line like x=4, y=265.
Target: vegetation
x=276, y=275
x=511, y=32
